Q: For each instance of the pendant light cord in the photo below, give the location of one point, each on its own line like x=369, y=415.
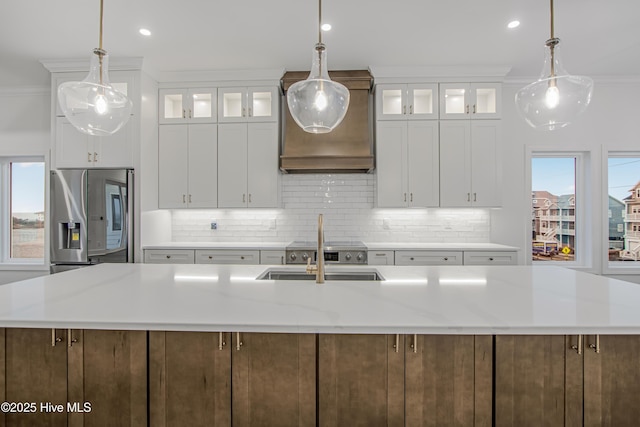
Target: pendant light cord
x=320, y=21
x=551, y=43
x=101, y=52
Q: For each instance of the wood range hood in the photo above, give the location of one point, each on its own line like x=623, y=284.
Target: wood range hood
x=348, y=148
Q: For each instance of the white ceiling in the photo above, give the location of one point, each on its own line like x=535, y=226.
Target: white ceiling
x=599, y=37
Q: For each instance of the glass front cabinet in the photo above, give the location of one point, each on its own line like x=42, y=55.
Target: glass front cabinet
x=248, y=104
x=470, y=101
x=194, y=105
x=407, y=101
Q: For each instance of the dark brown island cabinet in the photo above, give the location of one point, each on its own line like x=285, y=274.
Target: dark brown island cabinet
x=572, y=380
x=165, y=379
x=71, y=377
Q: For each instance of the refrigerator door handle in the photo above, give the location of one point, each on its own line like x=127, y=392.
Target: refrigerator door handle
x=129, y=216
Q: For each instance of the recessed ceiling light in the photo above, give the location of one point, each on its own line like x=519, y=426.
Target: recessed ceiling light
x=513, y=24
x=326, y=27
x=145, y=32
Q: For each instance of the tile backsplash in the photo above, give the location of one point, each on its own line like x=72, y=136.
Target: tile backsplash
x=347, y=202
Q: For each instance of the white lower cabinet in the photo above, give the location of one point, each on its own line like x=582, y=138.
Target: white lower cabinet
x=490, y=258
x=428, y=258
x=187, y=166
x=224, y=256
x=381, y=257
x=272, y=257
x=407, y=167
x=169, y=256
x=248, y=165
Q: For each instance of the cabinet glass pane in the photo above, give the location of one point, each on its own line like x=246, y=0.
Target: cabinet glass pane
x=486, y=100
x=173, y=106
x=201, y=105
x=392, y=101
x=232, y=105
x=261, y=104
x=454, y=101
x=422, y=101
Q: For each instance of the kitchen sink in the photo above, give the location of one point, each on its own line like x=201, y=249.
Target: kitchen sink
x=366, y=275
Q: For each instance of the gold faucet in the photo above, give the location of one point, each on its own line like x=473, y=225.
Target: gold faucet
x=318, y=269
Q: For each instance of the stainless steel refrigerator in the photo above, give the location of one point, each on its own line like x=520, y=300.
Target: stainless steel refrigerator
x=91, y=217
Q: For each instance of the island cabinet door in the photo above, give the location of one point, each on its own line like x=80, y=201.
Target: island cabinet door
x=35, y=374
x=538, y=380
x=448, y=380
x=107, y=377
x=611, y=380
x=274, y=379
x=189, y=379
x=360, y=380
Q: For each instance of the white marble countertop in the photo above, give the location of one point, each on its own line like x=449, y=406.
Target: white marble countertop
x=425, y=300
x=440, y=246
x=219, y=245
x=370, y=245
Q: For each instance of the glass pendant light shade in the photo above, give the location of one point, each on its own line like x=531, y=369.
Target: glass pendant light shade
x=92, y=105
x=318, y=104
x=556, y=98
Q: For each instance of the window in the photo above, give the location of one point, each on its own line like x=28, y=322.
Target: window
x=624, y=205
x=23, y=210
x=554, y=231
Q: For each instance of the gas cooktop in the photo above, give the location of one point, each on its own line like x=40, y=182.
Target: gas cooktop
x=335, y=252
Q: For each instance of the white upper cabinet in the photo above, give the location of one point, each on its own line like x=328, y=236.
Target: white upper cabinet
x=406, y=101
x=248, y=104
x=194, y=105
x=407, y=164
x=465, y=101
x=187, y=166
x=74, y=149
x=248, y=174
x=470, y=165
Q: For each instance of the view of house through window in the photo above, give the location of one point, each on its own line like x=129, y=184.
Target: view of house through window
x=553, y=208
x=624, y=208
x=27, y=184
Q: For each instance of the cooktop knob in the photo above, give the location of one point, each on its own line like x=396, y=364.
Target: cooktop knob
x=305, y=256
x=360, y=256
x=348, y=256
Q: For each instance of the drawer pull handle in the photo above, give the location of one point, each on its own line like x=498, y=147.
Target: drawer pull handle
x=168, y=256
x=446, y=259
x=242, y=257
x=221, y=342
x=210, y=256
x=491, y=259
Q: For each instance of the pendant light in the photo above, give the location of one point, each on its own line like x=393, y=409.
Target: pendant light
x=318, y=104
x=92, y=105
x=557, y=97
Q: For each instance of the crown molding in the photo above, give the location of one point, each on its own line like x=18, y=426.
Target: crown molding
x=454, y=73
x=255, y=76
x=82, y=64
x=24, y=90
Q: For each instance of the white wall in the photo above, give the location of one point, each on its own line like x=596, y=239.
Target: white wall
x=609, y=124
x=25, y=121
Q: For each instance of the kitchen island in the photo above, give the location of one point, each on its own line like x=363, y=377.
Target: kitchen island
x=211, y=345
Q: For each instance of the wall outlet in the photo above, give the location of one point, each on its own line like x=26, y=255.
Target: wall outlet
x=214, y=225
